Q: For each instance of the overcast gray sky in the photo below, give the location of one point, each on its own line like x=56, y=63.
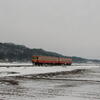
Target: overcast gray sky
x=69, y=27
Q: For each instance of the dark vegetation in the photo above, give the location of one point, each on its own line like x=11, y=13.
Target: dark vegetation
x=10, y=52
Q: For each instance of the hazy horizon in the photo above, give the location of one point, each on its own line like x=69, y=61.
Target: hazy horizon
x=68, y=27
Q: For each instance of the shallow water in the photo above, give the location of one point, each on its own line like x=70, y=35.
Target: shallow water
x=82, y=85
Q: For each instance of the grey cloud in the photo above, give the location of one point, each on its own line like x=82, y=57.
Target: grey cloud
x=70, y=27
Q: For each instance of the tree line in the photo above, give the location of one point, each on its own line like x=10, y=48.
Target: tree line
x=10, y=52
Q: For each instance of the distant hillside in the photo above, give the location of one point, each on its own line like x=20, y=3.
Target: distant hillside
x=10, y=52
x=84, y=60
